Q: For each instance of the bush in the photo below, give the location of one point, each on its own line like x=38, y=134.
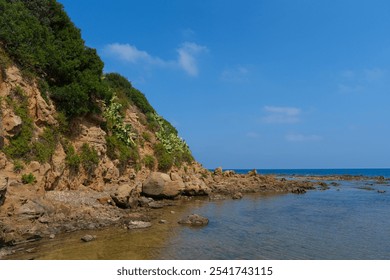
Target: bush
x=18, y=166
x=28, y=178
x=126, y=155
x=43, y=149
x=149, y=162
x=89, y=158
x=20, y=145
x=164, y=159
x=72, y=159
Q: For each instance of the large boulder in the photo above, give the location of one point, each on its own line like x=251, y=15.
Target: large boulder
x=196, y=187
x=160, y=185
x=3, y=189
x=124, y=197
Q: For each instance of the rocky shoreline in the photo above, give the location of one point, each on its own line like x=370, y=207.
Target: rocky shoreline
x=27, y=216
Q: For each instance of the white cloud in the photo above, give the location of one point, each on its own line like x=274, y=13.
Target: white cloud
x=281, y=114
x=131, y=54
x=302, y=138
x=187, y=57
x=186, y=60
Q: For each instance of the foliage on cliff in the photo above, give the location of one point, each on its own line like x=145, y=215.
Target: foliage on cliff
x=39, y=37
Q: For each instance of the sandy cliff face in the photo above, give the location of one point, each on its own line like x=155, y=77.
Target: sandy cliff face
x=59, y=198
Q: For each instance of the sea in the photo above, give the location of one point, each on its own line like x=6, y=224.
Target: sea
x=348, y=221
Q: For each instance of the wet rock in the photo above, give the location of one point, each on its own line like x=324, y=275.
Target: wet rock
x=144, y=201
x=88, y=238
x=334, y=184
x=298, y=191
x=237, y=195
x=3, y=189
x=156, y=204
x=138, y=225
x=381, y=191
x=194, y=220
x=160, y=185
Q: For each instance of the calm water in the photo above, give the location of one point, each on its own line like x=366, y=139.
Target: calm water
x=364, y=172
x=350, y=221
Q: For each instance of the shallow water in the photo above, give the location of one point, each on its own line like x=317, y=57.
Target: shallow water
x=351, y=221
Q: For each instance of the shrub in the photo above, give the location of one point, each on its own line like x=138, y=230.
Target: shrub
x=149, y=162
x=18, y=166
x=28, y=178
x=72, y=159
x=164, y=159
x=146, y=136
x=19, y=145
x=89, y=158
x=43, y=149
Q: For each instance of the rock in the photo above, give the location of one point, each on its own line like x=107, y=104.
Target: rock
x=34, y=166
x=52, y=236
x=218, y=171
x=156, y=204
x=160, y=185
x=237, y=195
x=298, y=190
x=163, y=222
x=88, y=238
x=121, y=197
x=194, y=220
x=252, y=172
x=381, y=191
x=196, y=187
x=229, y=173
x=144, y=201
x=31, y=210
x=12, y=124
x=138, y=224
x=175, y=177
x=3, y=189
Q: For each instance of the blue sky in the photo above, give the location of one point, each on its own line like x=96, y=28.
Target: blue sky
x=256, y=83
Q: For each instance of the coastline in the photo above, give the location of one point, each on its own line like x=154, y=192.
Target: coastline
x=59, y=212
x=163, y=214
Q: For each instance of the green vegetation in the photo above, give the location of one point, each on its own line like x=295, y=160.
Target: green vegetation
x=149, y=162
x=20, y=145
x=28, y=178
x=18, y=166
x=43, y=149
x=72, y=159
x=39, y=36
x=171, y=149
x=115, y=123
x=125, y=91
x=89, y=158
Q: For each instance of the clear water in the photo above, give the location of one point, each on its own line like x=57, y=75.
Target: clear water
x=370, y=172
x=350, y=221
